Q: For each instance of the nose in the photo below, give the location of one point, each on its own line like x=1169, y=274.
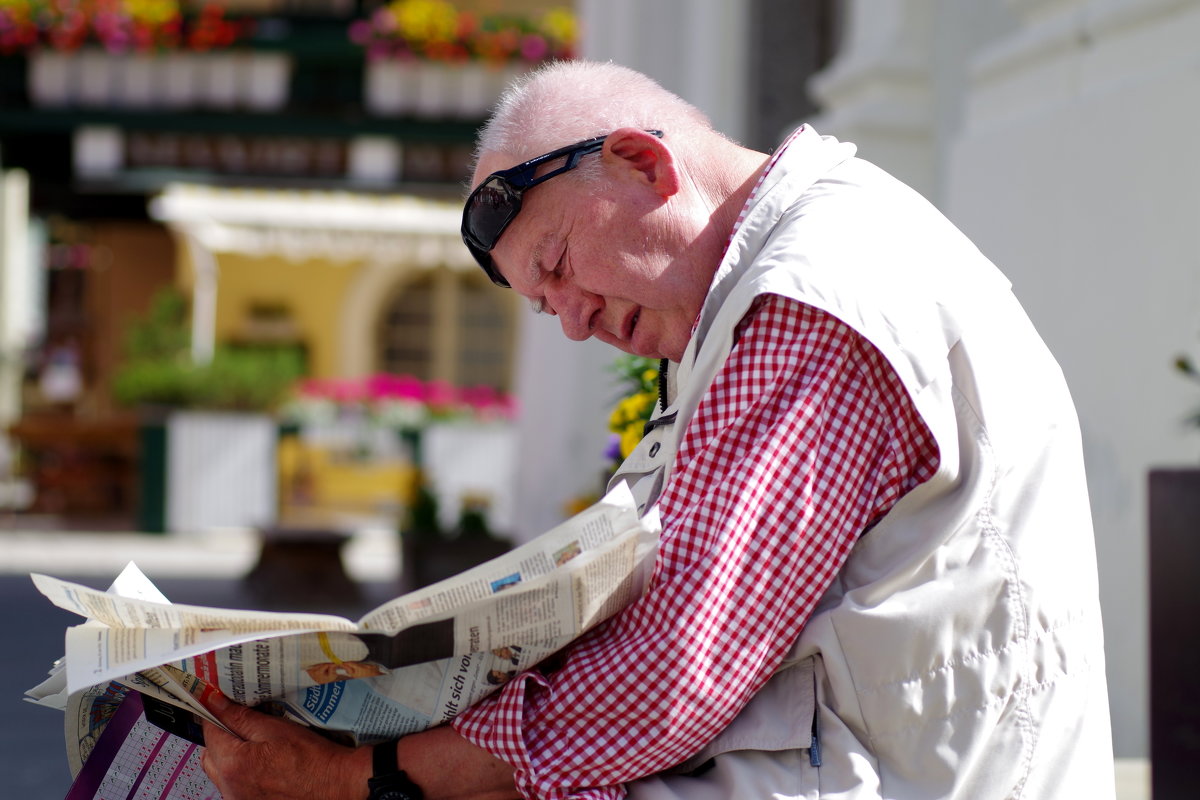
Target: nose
x=578, y=311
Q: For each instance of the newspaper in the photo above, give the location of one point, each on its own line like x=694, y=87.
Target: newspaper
x=136, y=757
x=415, y=662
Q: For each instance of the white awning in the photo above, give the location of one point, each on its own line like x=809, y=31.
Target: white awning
x=300, y=225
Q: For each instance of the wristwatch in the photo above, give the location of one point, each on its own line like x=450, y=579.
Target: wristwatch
x=388, y=781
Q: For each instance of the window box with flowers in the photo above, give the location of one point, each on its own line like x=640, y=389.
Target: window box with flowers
x=427, y=58
x=142, y=54
x=393, y=443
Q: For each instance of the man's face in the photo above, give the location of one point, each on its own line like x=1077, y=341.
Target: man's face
x=611, y=263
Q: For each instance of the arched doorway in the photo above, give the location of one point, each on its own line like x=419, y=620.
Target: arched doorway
x=448, y=325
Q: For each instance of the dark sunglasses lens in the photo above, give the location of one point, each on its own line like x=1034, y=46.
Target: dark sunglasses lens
x=489, y=210
x=493, y=205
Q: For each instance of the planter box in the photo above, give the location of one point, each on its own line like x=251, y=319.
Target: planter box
x=266, y=82
x=434, y=89
x=462, y=459
x=225, y=80
x=203, y=470
x=1174, y=505
x=389, y=87
x=52, y=79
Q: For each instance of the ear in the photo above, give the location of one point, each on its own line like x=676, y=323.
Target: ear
x=642, y=157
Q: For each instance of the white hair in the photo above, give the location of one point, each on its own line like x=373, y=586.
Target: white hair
x=568, y=101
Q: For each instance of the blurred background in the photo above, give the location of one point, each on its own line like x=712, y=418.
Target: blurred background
x=239, y=335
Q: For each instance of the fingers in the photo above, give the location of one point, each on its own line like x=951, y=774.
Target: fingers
x=229, y=714
x=217, y=702
x=268, y=757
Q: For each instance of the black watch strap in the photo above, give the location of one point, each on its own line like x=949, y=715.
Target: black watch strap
x=388, y=781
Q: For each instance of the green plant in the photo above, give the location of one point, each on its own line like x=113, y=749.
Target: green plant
x=1185, y=365
x=163, y=331
x=423, y=522
x=159, y=369
x=473, y=518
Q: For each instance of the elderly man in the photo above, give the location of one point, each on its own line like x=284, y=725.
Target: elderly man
x=876, y=576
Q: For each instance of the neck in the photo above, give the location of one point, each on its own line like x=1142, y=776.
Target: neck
x=750, y=169
x=726, y=191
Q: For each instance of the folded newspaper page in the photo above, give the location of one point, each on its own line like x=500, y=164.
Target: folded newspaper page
x=87, y=713
x=135, y=757
x=412, y=663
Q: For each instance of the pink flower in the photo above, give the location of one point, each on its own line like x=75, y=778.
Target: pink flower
x=480, y=397
x=384, y=393
x=385, y=386
x=440, y=394
x=348, y=391
x=534, y=47
x=360, y=32
x=312, y=387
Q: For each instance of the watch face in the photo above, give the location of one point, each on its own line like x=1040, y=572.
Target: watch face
x=396, y=786
x=391, y=794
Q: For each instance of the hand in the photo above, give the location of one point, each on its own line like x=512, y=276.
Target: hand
x=274, y=759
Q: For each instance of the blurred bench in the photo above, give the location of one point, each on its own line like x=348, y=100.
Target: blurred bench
x=300, y=568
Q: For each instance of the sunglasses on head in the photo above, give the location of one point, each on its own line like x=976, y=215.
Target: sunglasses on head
x=496, y=201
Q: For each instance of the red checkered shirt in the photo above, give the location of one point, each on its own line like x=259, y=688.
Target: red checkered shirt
x=805, y=438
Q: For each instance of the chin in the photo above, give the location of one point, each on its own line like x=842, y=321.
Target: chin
x=642, y=353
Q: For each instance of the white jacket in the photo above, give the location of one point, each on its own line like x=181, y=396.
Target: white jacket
x=959, y=653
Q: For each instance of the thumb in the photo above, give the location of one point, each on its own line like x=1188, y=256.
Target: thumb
x=235, y=720
x=245, y=724
x=228, y=719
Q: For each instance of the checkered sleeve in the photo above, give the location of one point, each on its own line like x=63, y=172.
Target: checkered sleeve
x=805, y=438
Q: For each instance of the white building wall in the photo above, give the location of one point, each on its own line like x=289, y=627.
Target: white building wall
x=566, y=393
x=1059, y=135
x=879, y=90
x=695, y=48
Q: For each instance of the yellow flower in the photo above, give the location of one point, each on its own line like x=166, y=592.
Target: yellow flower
x=580, y=503
x=560, y=24
x=423, y=21
x=629, y=417
x=635, y=408
x=646, y=406
x=151, y=12
x=17, y=9
x=630, y=438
